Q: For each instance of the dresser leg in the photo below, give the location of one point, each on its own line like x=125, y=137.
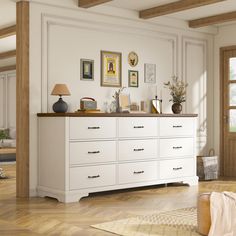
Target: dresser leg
x=61, y=196
x=74, y=197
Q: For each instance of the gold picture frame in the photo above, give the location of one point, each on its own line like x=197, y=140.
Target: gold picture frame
x=111, y=71
x=133, y=59
x=133, y=78
x=86, y=69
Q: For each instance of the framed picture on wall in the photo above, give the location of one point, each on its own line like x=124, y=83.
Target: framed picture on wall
x=86, y=69
x=111, y=69
x=133, y=78
x=133, y=59
x=150, y=73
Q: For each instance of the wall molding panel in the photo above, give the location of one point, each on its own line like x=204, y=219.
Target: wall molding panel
x=200, y=46
x=7, y=99
x=49, y=21
x=2, y=101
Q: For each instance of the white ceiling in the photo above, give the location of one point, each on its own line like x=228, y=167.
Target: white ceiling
x=8, y=43
x=208, y=10
x=8, y=8
x=138, y=5
x=8, y=62
x=7, y=13
x=213, y=9
x=7, y=18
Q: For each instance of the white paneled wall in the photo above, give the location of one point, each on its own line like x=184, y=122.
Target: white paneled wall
x=7, y=100
x=197, y=73
x=67, y=34
x=66, y=45
x=2, y=101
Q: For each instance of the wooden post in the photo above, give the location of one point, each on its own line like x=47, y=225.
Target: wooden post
x=22, y=99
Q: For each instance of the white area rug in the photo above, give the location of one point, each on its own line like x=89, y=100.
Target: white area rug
x=182, y=222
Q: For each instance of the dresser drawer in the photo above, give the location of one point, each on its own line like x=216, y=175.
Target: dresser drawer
x=92, y=176
x=182, y=126
x=137, y=172
x=92, y=152
x=92, y=127
x=170, y=169
x=176, y=147
x=138, y=149
x=137, y=127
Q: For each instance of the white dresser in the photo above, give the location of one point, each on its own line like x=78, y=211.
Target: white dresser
x=81, y=154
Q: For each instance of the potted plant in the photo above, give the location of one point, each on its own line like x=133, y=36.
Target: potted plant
x=177, y=89
x=3, y=135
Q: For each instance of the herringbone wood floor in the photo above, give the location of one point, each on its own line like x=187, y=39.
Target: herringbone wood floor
x=39, y=216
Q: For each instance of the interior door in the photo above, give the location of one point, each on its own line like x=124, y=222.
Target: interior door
x=228, y=112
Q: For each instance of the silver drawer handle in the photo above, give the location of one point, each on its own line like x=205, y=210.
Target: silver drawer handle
x=95, y=152
x=138, y=172
x=139, y=127
x=95, y=127
x=177, y=126
x=93, y=176
x=178, y=168
x=177, y=147
x=138, y=149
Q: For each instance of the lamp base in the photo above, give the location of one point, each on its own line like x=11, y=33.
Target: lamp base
x=60, y=106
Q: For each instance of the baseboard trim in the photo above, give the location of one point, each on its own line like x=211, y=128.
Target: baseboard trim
x=33, y=192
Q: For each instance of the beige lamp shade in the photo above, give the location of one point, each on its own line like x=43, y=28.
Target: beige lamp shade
x=61, y=90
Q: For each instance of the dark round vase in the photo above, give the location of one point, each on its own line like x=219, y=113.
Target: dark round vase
x=176, y=108
x=60, y=106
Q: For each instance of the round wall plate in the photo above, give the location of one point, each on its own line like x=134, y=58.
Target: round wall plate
x=133, y=59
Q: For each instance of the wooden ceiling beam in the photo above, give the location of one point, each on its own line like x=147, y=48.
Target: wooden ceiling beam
x=5, y=32
x=9, y=54
x=91, y=3
x=174, y=7
x=212, y=20
x=7, y=68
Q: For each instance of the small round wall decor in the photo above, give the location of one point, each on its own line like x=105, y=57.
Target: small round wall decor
x=133, y=59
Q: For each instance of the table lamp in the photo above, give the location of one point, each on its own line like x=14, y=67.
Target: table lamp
x=60, y=90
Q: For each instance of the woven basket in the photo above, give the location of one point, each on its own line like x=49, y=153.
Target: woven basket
x=208, y=166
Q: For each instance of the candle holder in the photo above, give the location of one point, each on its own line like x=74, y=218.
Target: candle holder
x=156, y=106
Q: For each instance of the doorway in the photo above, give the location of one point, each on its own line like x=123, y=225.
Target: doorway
x=228, y=111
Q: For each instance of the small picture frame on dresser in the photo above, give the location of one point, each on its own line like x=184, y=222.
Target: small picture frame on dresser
x=124, y=101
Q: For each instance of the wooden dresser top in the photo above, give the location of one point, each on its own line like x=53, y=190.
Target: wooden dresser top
x=80, y=114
